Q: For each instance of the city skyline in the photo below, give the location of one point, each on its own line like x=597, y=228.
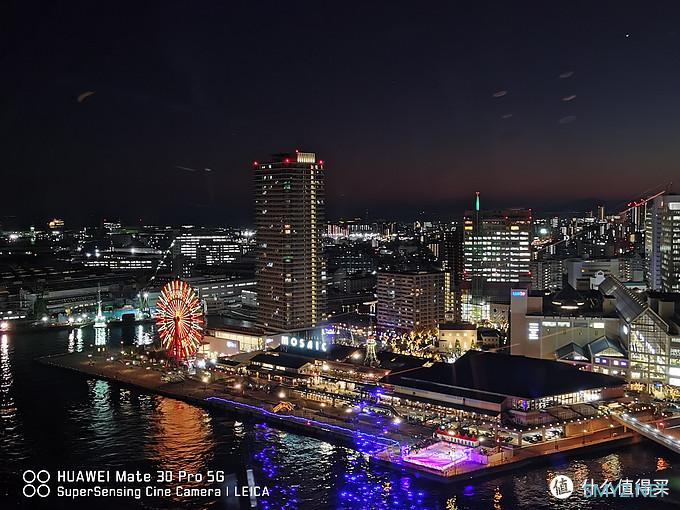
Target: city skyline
x=322, y=255
x=431, y=107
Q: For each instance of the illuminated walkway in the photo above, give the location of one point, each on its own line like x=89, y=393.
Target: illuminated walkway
x=648, y=430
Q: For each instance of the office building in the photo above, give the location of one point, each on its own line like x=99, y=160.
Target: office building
x=497, y=245
x=547, y=274
x=216, y=253
x=411, y=300
x=207, y=248
x=497, y=256
x=662, y=243
x=289, y=222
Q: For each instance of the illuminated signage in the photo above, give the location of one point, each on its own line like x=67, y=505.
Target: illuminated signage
x=302, y=343
x=518, y=293
x=533, y=330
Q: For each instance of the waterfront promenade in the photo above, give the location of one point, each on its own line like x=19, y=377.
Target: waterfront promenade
x=308, y=415
x=371, y=434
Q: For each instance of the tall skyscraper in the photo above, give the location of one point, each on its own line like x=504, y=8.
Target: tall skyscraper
x=289, y=223
x=451, y=255
x=497, y=250
x=662, y=243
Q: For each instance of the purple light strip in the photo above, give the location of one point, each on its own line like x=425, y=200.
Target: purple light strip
x=305, y=420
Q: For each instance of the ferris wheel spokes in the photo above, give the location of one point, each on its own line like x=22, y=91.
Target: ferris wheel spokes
x=179, y=319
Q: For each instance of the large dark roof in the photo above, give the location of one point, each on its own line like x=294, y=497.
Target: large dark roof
x=343, y=353
x=281, y=360
x=503, y=374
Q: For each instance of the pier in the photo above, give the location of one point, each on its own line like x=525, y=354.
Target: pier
x=386, y=445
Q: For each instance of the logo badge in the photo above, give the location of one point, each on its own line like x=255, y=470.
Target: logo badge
x=561, y=487
x=36, y=483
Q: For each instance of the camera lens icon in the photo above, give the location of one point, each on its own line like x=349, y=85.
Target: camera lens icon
x=36, y=483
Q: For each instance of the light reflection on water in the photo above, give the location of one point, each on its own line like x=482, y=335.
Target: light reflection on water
x=97, y=424
x=10, y=430
x=180, y=437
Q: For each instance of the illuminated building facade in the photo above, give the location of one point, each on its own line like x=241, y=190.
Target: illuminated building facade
x=289, y=222
x=547, y=274
x=497, y=255
x=662, y=243
x=497, y=245
x=456, y=338
x=56, y=224
x=649, y=325
x=614, y=330
x=207, y=248
x=411, y=300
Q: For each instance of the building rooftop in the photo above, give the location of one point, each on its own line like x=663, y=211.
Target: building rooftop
x=280, y=359
x=234, y=326
x=569, y=302
x=503, y=374
x=571, y=352
x=344, y=353
x=605, y=346
x=410, y=272
x=628, y=304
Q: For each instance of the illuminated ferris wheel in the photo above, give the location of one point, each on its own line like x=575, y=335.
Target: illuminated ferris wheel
x=179, y=317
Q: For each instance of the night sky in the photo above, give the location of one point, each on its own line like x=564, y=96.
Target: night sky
x=413, y=105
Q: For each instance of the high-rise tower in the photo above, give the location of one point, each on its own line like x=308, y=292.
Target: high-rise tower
x=289, y=223
x=662, y=243
x=497, y=252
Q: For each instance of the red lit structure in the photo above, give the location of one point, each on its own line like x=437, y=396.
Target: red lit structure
x=179, y=318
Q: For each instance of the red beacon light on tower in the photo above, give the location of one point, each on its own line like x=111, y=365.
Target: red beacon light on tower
x=321, y=161
x=287, y=160
x=255, y=163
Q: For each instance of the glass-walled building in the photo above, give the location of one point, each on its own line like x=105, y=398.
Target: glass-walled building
x=649, y=328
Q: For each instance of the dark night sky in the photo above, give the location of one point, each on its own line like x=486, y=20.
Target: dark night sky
x=396, y=97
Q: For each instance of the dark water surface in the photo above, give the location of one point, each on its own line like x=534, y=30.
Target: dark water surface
x=52, y=419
